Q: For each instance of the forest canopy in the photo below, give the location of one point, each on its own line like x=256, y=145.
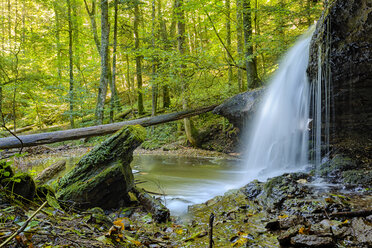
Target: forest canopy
x=82, y=62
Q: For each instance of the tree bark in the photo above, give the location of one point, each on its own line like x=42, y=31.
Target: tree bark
x=102, y=90
x=154, y=62
x=138, y=59
x=251, y=68
x=191, y=133
x=71, y=69
x=228, y=39
x=58, y=41
x=239, y=41
x=92, y=16
x=114, y=99
x=78, y=133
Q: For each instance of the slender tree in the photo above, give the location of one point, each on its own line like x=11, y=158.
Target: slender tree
x=71, y=61
x=251, y=68
x=114, y=101
x=191, y=132
x=138, y=59
x=228, y=39
x=154, y=84
x=102, y=90
x=239, y=41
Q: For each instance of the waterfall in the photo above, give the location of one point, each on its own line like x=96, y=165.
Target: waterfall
x=278, y=139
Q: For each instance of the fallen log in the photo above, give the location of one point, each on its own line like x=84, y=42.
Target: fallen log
x=78, y=133
x=50, y=172
x=159, y=212
x=361, y=213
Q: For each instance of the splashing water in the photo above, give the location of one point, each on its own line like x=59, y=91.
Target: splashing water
x=278, y=138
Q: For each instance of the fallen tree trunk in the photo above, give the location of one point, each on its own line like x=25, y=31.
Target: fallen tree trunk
x=78, y=133
x=159, y=212
x=50, y=172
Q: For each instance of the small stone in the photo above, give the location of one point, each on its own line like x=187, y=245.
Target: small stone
x=301, y=240
x=362, y=231
x=285, y=237
x=290, y=221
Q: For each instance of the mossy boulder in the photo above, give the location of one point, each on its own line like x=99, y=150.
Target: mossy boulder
x=103, y=177
x=336, y=165
x=5, y=170
x=21, y=186
x=357, y=177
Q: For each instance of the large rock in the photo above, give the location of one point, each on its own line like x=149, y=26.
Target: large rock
x=103, y=177
x=341, y=48
x=240, y=108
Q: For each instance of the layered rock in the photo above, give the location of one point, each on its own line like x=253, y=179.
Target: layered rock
x=341, y=49
x=103, y=177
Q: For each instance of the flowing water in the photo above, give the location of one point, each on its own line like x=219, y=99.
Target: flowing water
x=184, y=180
x=279, y=136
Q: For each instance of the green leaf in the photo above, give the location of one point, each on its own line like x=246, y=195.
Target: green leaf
x=53, y=202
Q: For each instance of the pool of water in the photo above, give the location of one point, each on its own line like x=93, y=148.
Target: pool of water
x=180, y=181
x=183, y=180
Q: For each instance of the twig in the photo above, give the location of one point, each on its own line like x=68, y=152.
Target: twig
x=361, y=213
x=211, y=219
x=7, y=129
x=23, y=226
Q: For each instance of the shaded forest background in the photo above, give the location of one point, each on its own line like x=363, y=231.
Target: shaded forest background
x=78, y=63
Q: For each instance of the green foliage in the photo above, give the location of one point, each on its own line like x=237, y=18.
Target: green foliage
x=34, y=75
x=160, y=135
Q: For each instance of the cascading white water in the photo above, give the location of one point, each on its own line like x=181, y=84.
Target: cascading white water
x=278, y=138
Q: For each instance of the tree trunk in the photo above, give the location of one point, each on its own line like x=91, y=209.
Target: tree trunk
x=102, y=90
x=191, y=133
x=239, y=41
x=78, y=133
x=228, y=39
x=71, y=69
x=138, y=59
x=92, y=16
x=154, y=62
x=164, y=37
x=251, y=68
x=114, y=99
x=58, y=41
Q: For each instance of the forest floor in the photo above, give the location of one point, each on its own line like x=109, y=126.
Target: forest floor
x=286, y=210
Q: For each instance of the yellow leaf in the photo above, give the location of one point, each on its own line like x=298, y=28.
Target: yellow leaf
x=179, y=231
x=239, y=242
x=121, y=223
x=282, y=216
x=304, y=230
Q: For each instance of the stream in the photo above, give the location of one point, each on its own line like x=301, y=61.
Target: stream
x=180, y=181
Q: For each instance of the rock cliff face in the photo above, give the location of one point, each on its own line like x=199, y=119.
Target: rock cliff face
x=341, y=51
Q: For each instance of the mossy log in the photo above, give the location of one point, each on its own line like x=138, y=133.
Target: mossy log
x=159, y=212
x=50, y=172
x=78, y=133
x=103, y=177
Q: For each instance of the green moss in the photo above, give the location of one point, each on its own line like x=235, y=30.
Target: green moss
x=5, y=170
x=336, y=165
x=357, y=177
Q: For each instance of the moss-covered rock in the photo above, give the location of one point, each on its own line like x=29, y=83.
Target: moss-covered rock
x=21, y=186
x=5, y=170
x=103, y=177
x=357, y=177
x=336, y=165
